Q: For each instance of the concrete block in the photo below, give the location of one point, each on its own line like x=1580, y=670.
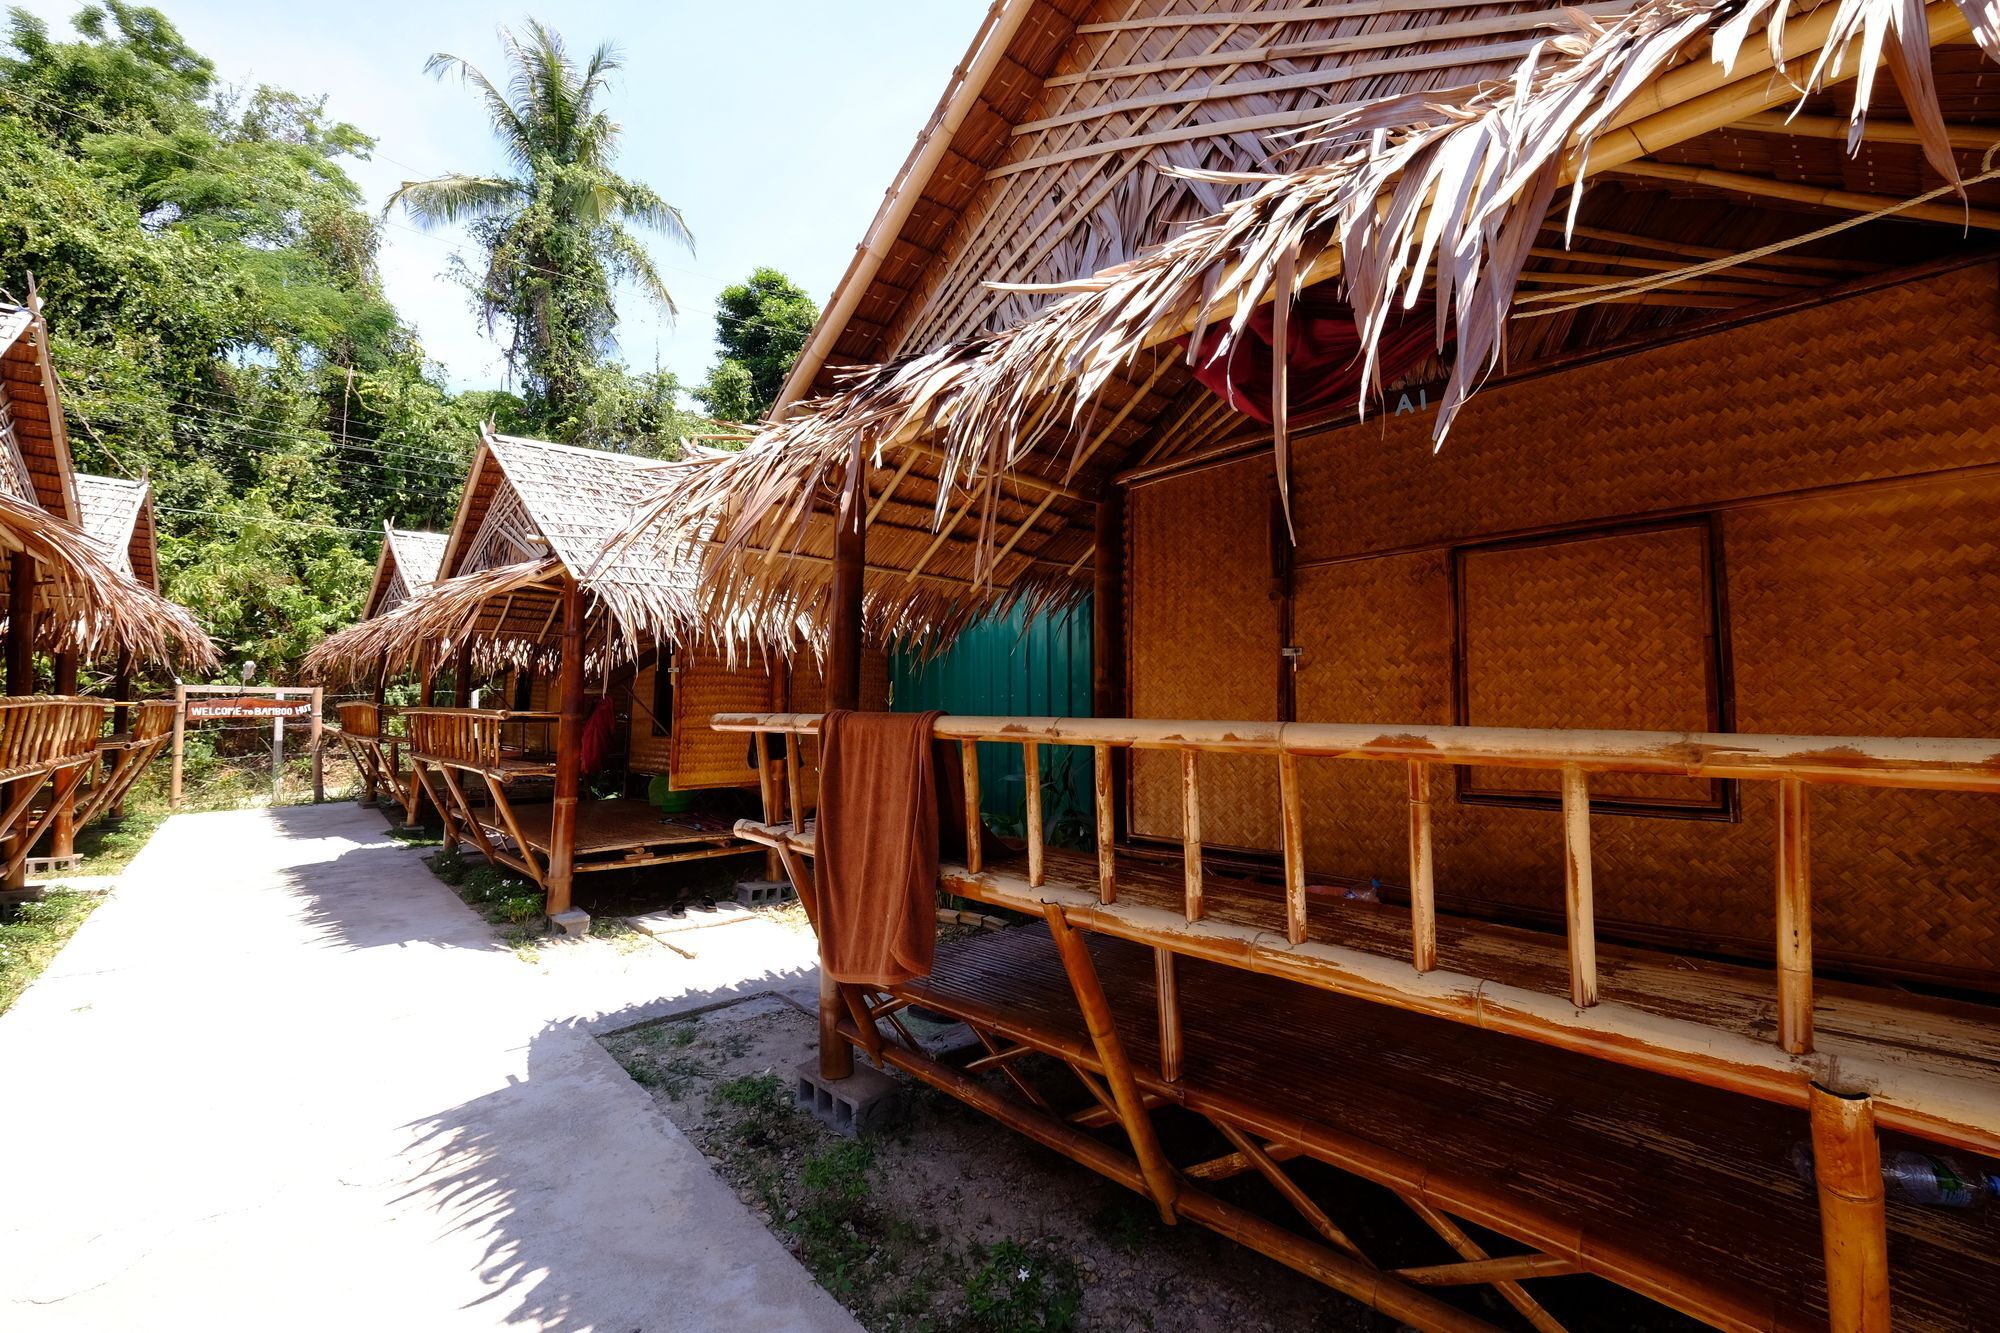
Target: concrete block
x=695, y=917
x=575, y=921
x=865, y=1102
x=42, y=867
x=763, y=892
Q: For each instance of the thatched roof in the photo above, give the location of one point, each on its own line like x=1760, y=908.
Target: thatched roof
x=88, y=606
x=408, y=563
x=1463, y=201
x=533, y=515
x=118, y=515
x=34, y=444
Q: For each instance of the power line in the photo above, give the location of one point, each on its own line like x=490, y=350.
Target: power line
x=332, y=443
x=265, y=518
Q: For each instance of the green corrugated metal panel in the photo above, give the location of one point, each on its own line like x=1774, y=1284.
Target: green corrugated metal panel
x=1015, y=667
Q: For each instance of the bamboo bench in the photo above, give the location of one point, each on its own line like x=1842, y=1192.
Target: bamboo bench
x=1682, y=1193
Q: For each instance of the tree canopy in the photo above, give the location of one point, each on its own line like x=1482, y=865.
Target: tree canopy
x=760, y=325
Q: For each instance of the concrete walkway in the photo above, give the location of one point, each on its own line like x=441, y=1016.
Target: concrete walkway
x=284, y=1080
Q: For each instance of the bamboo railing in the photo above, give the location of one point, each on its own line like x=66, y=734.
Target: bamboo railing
x=359, y=718
x=479, y=738
x=1932, y=1097
x=42, y=732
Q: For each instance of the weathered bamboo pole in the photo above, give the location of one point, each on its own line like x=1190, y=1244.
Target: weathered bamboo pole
x=1506, y=1268
x=850, y=555
x=1795, y=966
x=968, y=757
x=795, y=783
x=1161, y=1182
x=1847, y=1164
x=1294, y=836
x=1577, y=888
x=1167, y=988
x=1423, y=890
x=569, y=752
x=1191, y=831
x=1813, y=196
x=1254, y=1153
x=1031, y=780
x=1107, y=849
x=62, y=828
x=1456, y=1236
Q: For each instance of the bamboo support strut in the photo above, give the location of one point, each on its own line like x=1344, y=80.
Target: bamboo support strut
x=1795, y=978
x=1315, y=1216
x=1167, y=988
x=974, y=853
x=1577, y=889
x=1508, y=1268
x=1847, y=1164
x=1161, y=1182
x=1423, y=891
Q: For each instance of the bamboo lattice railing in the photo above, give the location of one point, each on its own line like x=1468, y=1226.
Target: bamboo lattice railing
x=359, y=718
x=471, y=737
x=41, y=732
x=1794, y=763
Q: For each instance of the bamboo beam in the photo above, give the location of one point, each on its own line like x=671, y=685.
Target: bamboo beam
x=1423, y=890
x=1847, y=1166
x=795, y=782
x=1697, y=286
x=1167, y=990
x=1507, y=1268
x=1577, y=888
x=1744, y=271
x=1233, y=1163
x=1455, y=1236
x=1031, y=780
x=1690, y=251
x=1191, y=831
x=843, y=658
x=1811, y=196
x=910, y=457
x=1795, y=967
x=1161, y=1182
x=1107, y=851
x=1964, y=138
x=1294, y=835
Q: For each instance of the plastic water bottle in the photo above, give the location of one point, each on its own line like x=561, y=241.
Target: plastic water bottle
x=1924, y=1178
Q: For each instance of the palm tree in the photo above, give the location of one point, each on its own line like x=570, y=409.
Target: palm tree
x=558, y=231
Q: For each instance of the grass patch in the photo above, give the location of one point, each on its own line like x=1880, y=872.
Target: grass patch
x=109, y=845
x=501, y=896
x=32, y=934
x=1024, y=1289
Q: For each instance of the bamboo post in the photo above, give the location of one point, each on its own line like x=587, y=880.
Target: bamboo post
x=62, y=828
x=461, y=676
x=1191, y=830
x=1295, y=847
x=968, y=755
x=1577, y=889
x=277, y=754
x=1795, y=975
x=1847, y=1166
x=569, y=751
x=850, y=554
x=1107, y=847
x=1167, y=986
x=1423, y=871
x=180, y=744
x=1161, y=1181
x=795, y=784
x=317, y=739
x=1031, y=778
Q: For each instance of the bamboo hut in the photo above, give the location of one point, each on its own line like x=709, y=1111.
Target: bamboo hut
x=407, y=565
x=1548, y=804
x=527, y=597
x=71, y=597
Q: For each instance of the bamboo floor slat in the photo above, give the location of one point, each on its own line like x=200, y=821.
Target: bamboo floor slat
x=1933, y=1064
x=1683, y=1192
x=608, y=826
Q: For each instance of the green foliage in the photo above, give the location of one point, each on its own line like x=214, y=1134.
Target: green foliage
x=760, y=325
x=1024, y=1289
x=559, y=230
x=756, y=1093
x=31, y=934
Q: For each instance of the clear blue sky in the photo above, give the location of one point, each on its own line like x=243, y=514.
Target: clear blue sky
x=773, y=125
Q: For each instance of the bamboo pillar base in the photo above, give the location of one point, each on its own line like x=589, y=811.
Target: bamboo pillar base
x=1847, y=1164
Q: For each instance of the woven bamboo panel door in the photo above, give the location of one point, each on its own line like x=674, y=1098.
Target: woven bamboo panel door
x=704, y=685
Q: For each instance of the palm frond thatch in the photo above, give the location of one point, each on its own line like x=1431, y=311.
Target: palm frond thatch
x=88, y=607
x=1413, y=197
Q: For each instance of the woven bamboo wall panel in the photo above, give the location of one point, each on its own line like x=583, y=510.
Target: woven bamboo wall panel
x=704, y=685
x=1204, y=627
x=805, y=692
x=645, y=751
x=1554, y=630
x=1898, y=381
x=1376, y=641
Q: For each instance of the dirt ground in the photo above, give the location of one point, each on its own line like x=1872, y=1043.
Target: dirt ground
x=949, y=1221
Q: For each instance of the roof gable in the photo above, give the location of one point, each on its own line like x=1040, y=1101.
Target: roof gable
x=34, y=443
x=408, y=564
x=118, y=515
x=528, y=498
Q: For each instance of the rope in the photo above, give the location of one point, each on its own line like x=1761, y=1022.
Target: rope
x=1636, y=286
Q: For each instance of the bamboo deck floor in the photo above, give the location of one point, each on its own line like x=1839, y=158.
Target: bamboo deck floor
x=605, y=827
x=1683, y=1192
x=1933, y=1064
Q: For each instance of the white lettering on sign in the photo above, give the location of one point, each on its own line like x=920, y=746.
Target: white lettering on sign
x=216, y=710
x=1422, y=402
